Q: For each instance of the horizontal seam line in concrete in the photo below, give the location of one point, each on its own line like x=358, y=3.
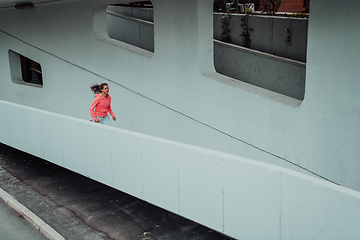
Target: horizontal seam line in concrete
x=39, y=224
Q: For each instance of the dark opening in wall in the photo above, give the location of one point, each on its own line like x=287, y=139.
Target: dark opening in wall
x=24, y=70
x=31, y=71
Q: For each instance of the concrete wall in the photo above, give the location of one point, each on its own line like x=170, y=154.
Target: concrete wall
x=146, y=14
x=267, y=71
x=176, y=94
x=130, y=30
x=239, y=197
x=269, y=34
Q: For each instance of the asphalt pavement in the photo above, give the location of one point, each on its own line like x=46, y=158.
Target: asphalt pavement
x=79, y=208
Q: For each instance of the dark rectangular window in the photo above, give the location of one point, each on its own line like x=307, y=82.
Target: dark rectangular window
x=31, y=71
x=25, y=70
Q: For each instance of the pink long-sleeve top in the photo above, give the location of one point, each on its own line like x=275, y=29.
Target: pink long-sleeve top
x=101, y=106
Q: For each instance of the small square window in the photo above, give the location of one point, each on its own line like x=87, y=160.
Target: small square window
x=24, y=70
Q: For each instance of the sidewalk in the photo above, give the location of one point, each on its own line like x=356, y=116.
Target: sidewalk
x=13, y=219
x=15, y=227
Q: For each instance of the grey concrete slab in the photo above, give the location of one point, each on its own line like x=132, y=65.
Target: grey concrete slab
x=80, y=208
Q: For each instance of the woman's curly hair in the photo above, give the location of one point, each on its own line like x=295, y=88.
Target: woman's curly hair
x=96, y=88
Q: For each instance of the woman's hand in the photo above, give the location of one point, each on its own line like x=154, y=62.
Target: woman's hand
x=114, y=118
x=97, y=120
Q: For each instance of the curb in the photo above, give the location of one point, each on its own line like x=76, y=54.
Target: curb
x=39, y=224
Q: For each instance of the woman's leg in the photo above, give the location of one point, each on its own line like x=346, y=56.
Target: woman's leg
x=105, y=120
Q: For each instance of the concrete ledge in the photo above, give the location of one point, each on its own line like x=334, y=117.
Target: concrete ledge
x=5, y=196
x=39, y=224
x=50, y=233
x=18, y=207
x=34, y=220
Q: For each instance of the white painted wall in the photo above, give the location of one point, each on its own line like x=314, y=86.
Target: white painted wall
x=150, y=90
x=239, y=197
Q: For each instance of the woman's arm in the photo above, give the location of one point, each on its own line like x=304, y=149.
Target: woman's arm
x=92, y=107
x=111, y=112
